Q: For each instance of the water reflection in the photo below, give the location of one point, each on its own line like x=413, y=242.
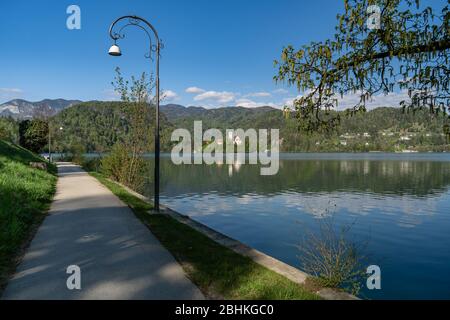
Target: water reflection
x=390, y=177
x=402, y=202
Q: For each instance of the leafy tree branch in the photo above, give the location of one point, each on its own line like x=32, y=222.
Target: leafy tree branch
x=408, y=51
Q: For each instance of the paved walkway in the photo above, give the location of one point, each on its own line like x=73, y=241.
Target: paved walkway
x=118, y=256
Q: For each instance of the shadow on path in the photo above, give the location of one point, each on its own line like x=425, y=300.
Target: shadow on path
x=90, y=227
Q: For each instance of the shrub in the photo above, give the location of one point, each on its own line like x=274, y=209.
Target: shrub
x=333, y=258
x=75, y=153
x=93, y=164
x=124, y=167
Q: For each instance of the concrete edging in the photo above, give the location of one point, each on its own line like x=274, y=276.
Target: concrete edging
x=290, y=272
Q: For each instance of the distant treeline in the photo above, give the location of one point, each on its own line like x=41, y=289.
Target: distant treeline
x=97, y=126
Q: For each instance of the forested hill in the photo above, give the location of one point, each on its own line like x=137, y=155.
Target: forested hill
x=98, y=125
x=225, y=118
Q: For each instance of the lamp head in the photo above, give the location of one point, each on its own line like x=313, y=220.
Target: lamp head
x=115, y=51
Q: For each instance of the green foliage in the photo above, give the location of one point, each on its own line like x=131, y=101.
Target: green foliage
x=100, y=125
x=125, y=163
x=92, y=164
x=333, y=258
x=384, y=128
x=9, y=129
x=121, y=166
x=75, y=153
x=25, y=196
x=33, y=134
x=139, y=206
x=409, y=52
x=139, y=91
x=111, y=164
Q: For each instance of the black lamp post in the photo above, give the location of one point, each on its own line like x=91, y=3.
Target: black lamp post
x=115, y=51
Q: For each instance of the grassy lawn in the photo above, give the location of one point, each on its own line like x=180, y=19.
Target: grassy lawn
x=139, y=206
x=25, y=196
x=218, y=271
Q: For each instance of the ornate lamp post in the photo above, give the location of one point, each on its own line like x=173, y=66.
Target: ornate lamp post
x=115, y=51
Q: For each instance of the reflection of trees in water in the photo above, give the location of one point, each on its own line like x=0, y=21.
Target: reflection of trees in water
x=394, y=177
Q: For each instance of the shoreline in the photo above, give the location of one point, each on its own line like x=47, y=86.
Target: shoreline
x=294, y=274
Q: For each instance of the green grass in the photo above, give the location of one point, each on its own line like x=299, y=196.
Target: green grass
x=25, y=196
x=139, y=206
x=218, y=271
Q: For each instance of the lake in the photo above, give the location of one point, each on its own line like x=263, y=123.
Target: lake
x=398, y=206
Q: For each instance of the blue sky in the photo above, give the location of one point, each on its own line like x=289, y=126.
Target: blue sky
x=225, y=49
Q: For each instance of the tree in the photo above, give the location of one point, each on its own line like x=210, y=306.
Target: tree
x=405, y=48
x=45, y=113
x=33, y=134
x=139, y=91
x=129, y=152
x=8, y=129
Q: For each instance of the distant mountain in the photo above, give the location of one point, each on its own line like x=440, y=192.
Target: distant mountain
x=23, y=109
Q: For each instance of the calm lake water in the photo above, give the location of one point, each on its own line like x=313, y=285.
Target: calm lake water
x=399, y=205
